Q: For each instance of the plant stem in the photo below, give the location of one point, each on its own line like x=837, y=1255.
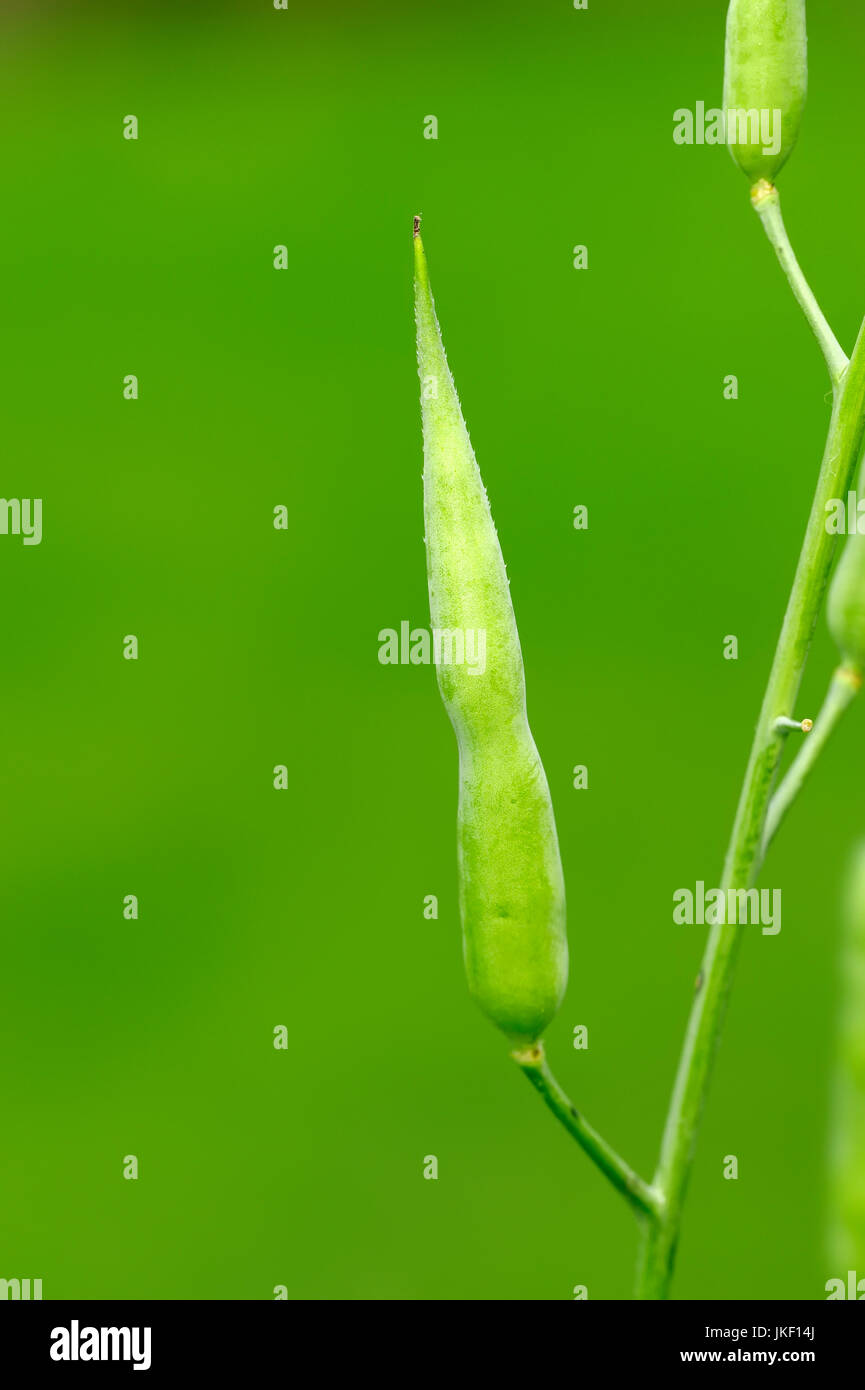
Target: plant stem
x=767, y=204
x=743, y=859
x=843, y=688
x=845, y=1245
x=645, y=1199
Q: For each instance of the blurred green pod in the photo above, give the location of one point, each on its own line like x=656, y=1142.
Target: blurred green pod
x=846, y=1245
x=512, y=897
x=845, y=606
x=765, y=82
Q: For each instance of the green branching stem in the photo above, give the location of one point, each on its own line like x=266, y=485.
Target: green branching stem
x=758, y=814
x=743, y=859
x=842, y=690
x=642, y=1197
x=767, y=204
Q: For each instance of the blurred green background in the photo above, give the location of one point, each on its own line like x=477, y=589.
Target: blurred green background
x=258, y=647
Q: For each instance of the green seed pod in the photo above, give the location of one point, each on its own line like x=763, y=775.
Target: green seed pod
x=845, y=606
x=765, y=82
x=847, y=1131
x=512, y=897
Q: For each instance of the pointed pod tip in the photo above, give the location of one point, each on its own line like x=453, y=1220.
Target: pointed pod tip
x=420, y=269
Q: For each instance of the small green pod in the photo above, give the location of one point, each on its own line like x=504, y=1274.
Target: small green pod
x=512, y=896
x=845, y=606
x=846, y=1228
x=765, y=82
